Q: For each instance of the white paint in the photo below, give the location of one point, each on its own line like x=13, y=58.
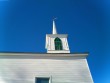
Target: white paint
x=54, y=28
x=50, y=46
x=2, y=81
x=63, y=68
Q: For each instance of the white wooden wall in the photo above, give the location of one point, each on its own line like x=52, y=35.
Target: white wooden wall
x=62, y=70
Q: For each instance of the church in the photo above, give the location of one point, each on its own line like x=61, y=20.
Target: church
x=58, y=65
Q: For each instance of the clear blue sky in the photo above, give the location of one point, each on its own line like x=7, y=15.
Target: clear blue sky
x=24, y=24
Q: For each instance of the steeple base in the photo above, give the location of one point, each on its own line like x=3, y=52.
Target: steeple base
x=58, y=51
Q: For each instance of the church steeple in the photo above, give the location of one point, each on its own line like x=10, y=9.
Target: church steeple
x=54, y=28
x=56, y=43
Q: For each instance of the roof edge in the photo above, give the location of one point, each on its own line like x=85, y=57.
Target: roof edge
x=46, y=54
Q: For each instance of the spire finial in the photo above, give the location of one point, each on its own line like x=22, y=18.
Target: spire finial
x=54, y=27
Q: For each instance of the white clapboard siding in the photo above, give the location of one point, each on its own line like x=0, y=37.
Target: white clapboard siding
x=61, y=69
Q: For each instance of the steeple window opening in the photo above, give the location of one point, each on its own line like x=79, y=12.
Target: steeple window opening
x=58, y=44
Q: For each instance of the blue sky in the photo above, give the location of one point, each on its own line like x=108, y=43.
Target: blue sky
x=25, y=23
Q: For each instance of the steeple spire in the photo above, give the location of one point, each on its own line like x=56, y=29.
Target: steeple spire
x=56, y=43
x=54, y=27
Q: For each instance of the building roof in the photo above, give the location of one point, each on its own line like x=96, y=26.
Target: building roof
x=40, y=55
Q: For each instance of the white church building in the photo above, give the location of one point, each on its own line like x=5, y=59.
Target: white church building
x=58, y=65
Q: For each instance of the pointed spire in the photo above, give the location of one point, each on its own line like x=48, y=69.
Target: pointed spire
x=54, y=27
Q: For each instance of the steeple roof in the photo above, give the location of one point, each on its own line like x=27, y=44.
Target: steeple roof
x=54, y=28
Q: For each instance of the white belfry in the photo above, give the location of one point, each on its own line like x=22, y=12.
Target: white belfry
x=53, y=46
x=54, y=28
